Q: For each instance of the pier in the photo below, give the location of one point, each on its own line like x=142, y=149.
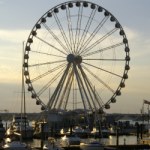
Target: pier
x=112, y=147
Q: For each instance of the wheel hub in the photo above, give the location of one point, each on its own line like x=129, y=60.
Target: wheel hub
x=71, y=58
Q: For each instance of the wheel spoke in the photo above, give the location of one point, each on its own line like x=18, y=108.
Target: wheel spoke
x=50, y=82
x=67, y=94
x=98, y=79
x=84, y=34
x=65, y=91
x=47, y=73
x=91, y=90
x=102, y=70
x=51, y=45
x=52, y=99
x=46, y=63
x=55, y=37
x=77, y=35
x=105, y=59
x=81, y=90
x=103, y=49
x=70, y=30
x=38, y=52
x=84, y=88
x=62, y=82
x=87, y=49
x=80, y=86
x=62, y=32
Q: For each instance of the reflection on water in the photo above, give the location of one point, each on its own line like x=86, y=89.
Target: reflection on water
x=36, y=143
x=112, y=140
x=122, y=140
x=108, y=141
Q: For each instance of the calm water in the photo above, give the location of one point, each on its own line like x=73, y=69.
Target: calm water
x=122, y=140
x=108, y=141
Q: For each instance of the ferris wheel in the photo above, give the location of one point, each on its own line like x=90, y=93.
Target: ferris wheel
x=76, y=56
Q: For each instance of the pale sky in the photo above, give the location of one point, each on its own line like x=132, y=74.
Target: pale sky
x=17, y=18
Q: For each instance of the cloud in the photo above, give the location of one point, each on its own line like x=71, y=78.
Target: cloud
x=13, y=36
x=138, y=43
x=131, y=33
x=11, y=54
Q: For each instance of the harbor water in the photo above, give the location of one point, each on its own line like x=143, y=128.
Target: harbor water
x=123, y=140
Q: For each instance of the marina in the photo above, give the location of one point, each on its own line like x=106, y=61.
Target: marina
x=66, y=141
x=126, y=134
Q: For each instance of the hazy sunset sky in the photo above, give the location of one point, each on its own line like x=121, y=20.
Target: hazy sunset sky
x=17, y=18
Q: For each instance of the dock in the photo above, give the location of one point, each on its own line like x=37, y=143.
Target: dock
x=128, y=147
x=111, y=147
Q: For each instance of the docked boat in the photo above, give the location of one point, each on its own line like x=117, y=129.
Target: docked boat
x=94, y=145
x=41, y=130
x=2, y=130
x=145, y=141
x=69, y=140
x=51, y=145
x=81, y=132
x=16, y=145
x=20, y=126
x=103, y=133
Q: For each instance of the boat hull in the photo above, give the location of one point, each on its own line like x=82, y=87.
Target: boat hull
x=15, y=145
x=92, y=146
x=68, y=141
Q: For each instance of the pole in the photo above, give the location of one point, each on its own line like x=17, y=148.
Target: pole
x=148, y=115
x=141, y=131
x=42, y=135
x=117, y=136
x=22, y=92
x=138, y=132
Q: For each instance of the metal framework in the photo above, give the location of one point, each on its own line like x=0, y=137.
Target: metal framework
x=79, y=52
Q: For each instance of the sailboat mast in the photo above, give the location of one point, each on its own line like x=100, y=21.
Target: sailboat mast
x=23, y=104
x=23, y=101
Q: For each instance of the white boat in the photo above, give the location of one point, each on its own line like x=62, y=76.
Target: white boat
x=20, y=125
x=16, y=145
x=69, y=140
x=95, y=145
x=51, y=145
